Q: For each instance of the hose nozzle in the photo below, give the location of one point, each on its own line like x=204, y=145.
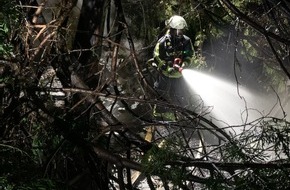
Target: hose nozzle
x=177, y=64
x=177, y=61
x=177, y=67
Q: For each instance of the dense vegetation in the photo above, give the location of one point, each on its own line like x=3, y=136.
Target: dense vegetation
x=76, y=96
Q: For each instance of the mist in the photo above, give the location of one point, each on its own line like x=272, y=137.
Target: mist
x=233, y=103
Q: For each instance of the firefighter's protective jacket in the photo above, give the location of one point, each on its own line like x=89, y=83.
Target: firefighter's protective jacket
x=167, y=49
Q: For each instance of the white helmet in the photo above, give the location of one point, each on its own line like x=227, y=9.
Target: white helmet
x=176, y=22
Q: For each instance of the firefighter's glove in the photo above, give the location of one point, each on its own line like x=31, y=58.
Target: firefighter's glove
x=163, y=67
x=176, y=67
x=170, y=70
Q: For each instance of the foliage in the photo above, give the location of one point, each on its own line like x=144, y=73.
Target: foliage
x=157, y=157
x=43, y=184
x=4, y=184
x=9, y=17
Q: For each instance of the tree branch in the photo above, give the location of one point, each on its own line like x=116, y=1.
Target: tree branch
x=230, y=165
x=255, y=25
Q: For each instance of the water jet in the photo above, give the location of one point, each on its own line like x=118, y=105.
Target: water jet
x=232, y=103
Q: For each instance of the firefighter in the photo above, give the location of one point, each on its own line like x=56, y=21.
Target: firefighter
x=173, y=52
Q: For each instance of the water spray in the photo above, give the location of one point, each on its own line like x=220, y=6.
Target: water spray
x=231, y=103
